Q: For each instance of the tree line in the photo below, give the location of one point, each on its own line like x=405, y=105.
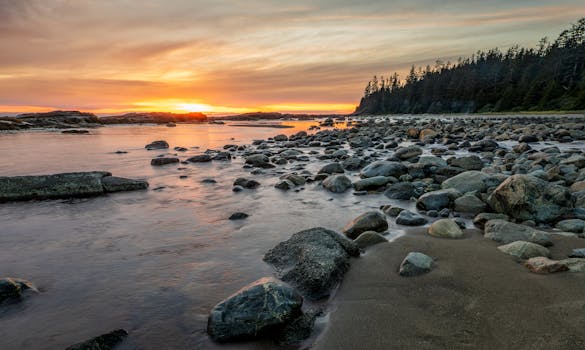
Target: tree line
x=550, y=76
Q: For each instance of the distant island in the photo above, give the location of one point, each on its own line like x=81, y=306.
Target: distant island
x=550, y=77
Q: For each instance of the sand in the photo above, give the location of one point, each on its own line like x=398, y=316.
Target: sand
x=476, y=297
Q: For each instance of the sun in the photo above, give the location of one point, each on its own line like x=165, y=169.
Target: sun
x=194, y=107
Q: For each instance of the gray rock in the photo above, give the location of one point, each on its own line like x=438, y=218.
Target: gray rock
x=120, y=184
x=577, y=253
x=432, y=160
x=409, y=218
x=163, y=161
x=313, y=260
x=507, y=232
x=285, y=185
x=331, y=168
x=525, y=197
x=254, y=311
x=408, y=152
x=353, y=163
x=106, y=341
x=246, y=183
x=384, y=168
x=297, y=180
x=467, y=163
x=373, y=183
x=572, y=225
x=481, y=218
x=161, y=144
x=469, y=203
x=391, y=211
x=437, y=200
x=445, y=228
x=468, y=181
x=280, y=138
x=524, y=250
x=202, y=158
x=259, y=161
x=415, y=264
x=337, y=183
x=401, y=190
x=369, y=238
x=370, y=221
x=14, y=288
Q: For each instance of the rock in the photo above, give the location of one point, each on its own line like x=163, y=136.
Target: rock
x=525, y=197
x=331, y=168
x=445, y=228
x=246, y=183
x=119, y=184
x=572, y=225
x=238, y=216
x=360, y=142
x=528, y=139
x=427, y=134
x=180, y=149
x=545, y=265
x=337, y=183
x=352, y=163
x=372, y=183
x=578, y=186
x=106, y=341
x=409, y=218
x=468, y=181
x=284, y=185
x=297, y=180
x=391, y=211
x=480, y=219
x=66, y=185
x=313, y=261
x=202, y=158
x=577, y=253
x=507, y=232
x=415, y=264
x=408, y=152
x=208, y=181
x=484, y=146
x=163, y=161
x=75, y=131
x=14, y=288
x=280, y=138
x=437, y=200
x=524, y=250
x=384, y=168
x=369, y=238
x=259, y=161
x=370, y=221
x=157, y=145
x=467, y=163
x=574, y=264
x=469, y=203
x=401, y=190
x=237, y=188
x=254, y=311
x=433, y=161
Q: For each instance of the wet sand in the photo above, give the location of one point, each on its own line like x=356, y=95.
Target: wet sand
x=476, y=297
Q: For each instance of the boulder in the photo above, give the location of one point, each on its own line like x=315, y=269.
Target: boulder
x=372, y=183
x=427, y=134
x=202, y=158
x=369, y=238
x=331, y=168
x=161, y=144
x=280, y=138
x=254, y=311
x=164, y=161
x=405, y=153
x=246, y=183
x=337, y=183
x=401, y=190
x=298, y=180
x=480, y=219
x=445, y=228
x=415, y=264
x=525, y=197
x=469, y=203
x=469, y=181
x=384, y=168
x=571, y=225
x=467, y=163
x=370, y=221
x=66, y=185
x=313, y=261
x=259, y=161
x=437, y=200
x=408, y=218
x=284, y=185
x=545, y=265
x=577, y=253
x=507, y=232
x=14, y=288
x=352, y=163
x=524, y=250
x=107, y=341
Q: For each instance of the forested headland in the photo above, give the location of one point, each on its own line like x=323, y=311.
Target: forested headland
x=548, y=77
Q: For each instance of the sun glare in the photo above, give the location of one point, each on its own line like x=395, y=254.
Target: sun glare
x=194, y=107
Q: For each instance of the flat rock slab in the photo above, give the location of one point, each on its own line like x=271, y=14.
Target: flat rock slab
x=66, y=185
x=313, y=261
x=524, y=250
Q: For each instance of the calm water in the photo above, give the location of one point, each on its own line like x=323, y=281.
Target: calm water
x=152, y=262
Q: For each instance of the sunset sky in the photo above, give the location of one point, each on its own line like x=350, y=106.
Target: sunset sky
x=109, y=56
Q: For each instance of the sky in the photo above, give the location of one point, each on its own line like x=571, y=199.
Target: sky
x=220, y=56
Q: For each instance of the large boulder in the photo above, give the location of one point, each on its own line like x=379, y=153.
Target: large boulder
x=384, y=168
x=313, y=261
x=525, y=197
x=337, y=183
x=401, y=190
x=524, y=250
x=469, y=203
x=370, y=221
x=437, y=200
x=66, y=185
x=468, y=181
x=254, y=311
x=14, y=288
x=331, y=168
x=507, y=232
x=445, y=228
